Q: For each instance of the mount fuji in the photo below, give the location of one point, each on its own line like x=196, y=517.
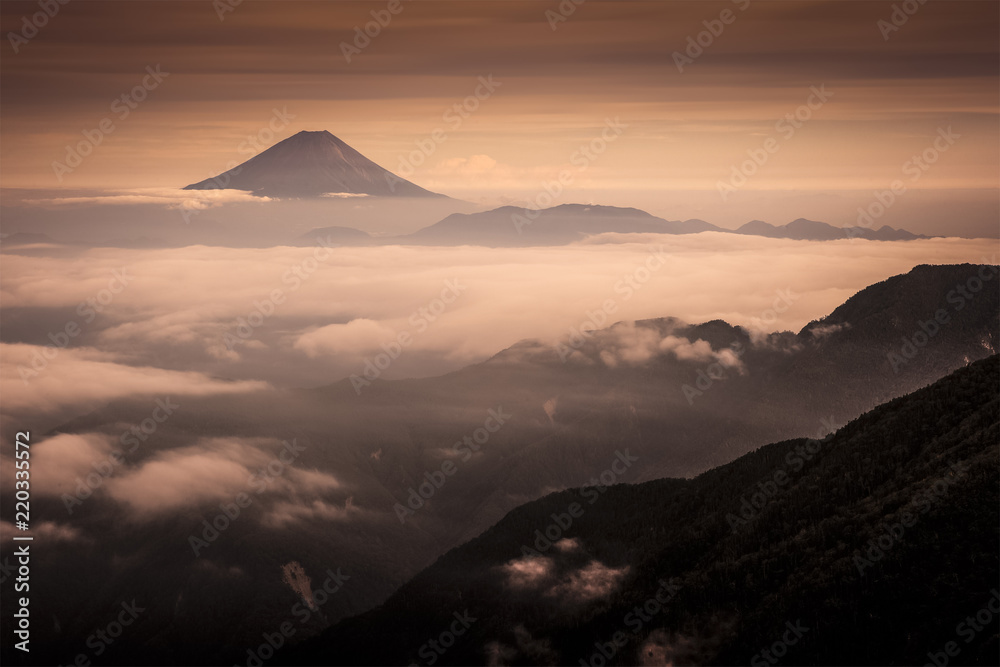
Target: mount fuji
x=312, y=164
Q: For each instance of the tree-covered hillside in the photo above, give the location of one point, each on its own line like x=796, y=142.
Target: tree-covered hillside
x=876, y=545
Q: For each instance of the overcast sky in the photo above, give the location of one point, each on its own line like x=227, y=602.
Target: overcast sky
x=892, y=91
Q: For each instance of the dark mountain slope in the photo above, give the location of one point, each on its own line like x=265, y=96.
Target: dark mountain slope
x=917, y=322
x=921, y=469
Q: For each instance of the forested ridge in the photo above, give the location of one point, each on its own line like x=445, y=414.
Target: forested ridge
x=880, y=539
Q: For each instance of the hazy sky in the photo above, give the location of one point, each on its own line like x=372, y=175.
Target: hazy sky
x=684, y=130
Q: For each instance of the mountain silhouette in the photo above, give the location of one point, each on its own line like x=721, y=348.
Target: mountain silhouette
x=515, y=226
x=857, y=548
x=312, y=164
x=811, y=230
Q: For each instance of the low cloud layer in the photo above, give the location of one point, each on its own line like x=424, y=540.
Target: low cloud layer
x=60, y=461
x=167, y=197
x=187, y=477
x=42, y=379
x=209, y=471
x=631, y=345
x=289, y=317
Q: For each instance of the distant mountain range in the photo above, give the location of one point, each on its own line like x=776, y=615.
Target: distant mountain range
x=312, y=164
x=810, y=230
x=318, y=164
x=512, y=226
x=861, y=548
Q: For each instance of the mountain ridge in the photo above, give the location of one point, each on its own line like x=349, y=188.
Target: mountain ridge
x=737, y=577
x=514, y=226
x=803, y=229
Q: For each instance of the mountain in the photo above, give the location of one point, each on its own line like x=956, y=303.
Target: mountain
x=811, y=230
x=864, y=548
x=884, y=233
x=514, y=226
x=682, y=398
x=337, y=236
x=312, y=164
